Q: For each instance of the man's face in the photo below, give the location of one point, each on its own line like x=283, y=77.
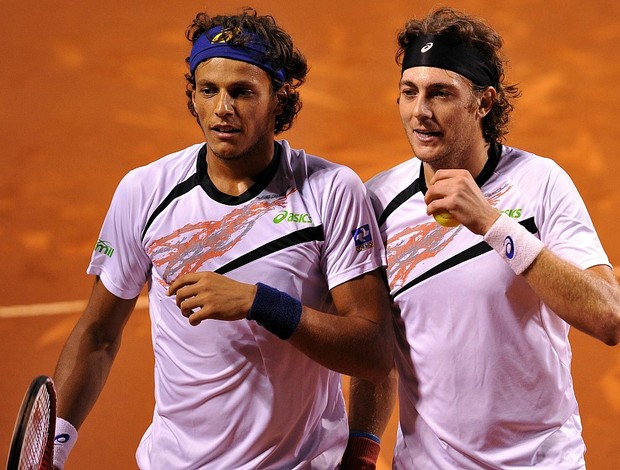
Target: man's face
x=441, y=116
x=236, y=108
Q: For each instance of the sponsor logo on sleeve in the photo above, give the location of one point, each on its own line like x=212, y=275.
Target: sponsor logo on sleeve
x=104, y=247
x=362, y=238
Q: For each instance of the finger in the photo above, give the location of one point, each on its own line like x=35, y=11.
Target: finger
x=188, y=303
x=442, y=175
x=181, y=281
x=196, y=318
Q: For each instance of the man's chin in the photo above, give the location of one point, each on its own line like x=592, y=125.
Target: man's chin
x=226, y=153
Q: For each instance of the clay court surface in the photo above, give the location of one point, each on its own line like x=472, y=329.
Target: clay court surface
x=90, y=90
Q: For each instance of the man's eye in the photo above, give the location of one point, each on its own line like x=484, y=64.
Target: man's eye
x=242, y=92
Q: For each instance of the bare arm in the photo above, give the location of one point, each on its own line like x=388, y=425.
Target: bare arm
x=587, y=299
x=359, y=341
x=87, y=356
x=370, y=408
x=371, y=404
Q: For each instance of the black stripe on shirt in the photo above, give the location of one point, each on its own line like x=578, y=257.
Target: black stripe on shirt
x=308, y=234
x=178, y=191
x=470, y=253
x=201, y=178
x=400, y=199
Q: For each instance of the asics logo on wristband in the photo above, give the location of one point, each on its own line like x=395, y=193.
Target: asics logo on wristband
x=509, y=248
x=61, y=438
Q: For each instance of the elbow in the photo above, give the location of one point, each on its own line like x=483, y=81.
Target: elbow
x=612, y=338
x=611, y=334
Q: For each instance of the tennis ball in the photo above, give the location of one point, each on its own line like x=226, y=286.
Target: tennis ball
x=446, y=219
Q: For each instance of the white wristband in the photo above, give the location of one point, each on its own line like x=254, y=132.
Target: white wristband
x=514, y=243
x=64, y=440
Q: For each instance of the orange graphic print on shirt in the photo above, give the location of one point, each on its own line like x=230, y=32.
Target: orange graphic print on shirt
x=413, y=245
x=187, y=249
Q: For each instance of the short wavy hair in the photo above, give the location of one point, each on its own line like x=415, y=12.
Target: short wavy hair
x=281, y=54
x=475, y=32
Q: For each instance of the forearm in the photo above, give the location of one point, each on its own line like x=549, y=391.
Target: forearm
x=370, y=408
x=352, y=345
x=588, y=299
x=87, y=357
x=80, y=374
x=371, y=404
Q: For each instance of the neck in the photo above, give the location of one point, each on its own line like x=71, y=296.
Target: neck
x=235, y=175
x=472, y=161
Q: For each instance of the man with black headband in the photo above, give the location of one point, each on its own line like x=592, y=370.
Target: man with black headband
x=486, y=300
x=264, y=268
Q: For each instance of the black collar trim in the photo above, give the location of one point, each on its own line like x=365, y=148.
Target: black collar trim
x=261, y=182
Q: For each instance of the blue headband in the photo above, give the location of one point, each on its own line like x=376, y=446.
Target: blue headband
x=215, y=43
x=446, y=53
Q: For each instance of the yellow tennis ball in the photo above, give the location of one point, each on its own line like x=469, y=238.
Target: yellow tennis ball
x=446, y=219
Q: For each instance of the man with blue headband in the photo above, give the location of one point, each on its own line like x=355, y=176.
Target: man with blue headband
x=264, y=269
x=492, y=257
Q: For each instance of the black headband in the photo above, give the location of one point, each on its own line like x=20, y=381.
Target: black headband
x=446, y=53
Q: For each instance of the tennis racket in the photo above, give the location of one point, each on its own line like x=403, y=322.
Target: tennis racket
x=32, y=446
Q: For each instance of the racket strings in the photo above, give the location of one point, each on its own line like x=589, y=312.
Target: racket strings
x=37, y=431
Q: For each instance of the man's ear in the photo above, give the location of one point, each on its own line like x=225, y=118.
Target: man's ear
x=487, y=100
x=282, y=96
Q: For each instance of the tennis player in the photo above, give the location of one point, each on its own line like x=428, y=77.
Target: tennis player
x=264, y=271
x=484, y=361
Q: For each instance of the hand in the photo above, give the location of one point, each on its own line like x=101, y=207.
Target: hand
x=207, y=295
x=456, y=191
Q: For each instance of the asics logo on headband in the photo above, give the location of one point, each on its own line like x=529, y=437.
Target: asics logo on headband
x=450, y=53
x=426, y=47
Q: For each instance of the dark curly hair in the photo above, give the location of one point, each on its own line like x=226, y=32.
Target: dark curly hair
x=475, y=32
x=281, y=54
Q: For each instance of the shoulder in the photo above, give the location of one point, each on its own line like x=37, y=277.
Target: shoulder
x=517, y=159
x=172, y=162
x=387, y=184
x=316, y=169
x=162, y=174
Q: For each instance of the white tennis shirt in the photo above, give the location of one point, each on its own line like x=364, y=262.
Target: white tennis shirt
x=484, y=366
x=231, y=395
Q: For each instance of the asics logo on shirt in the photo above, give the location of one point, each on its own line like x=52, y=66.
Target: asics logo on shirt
x=512, y=213
x=286, y=216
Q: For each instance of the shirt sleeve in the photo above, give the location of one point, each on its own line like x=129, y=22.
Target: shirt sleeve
x=566, y=227
x=119, y=257
x=353, y=243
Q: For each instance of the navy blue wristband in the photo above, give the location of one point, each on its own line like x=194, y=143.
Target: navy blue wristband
x=275, y=310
